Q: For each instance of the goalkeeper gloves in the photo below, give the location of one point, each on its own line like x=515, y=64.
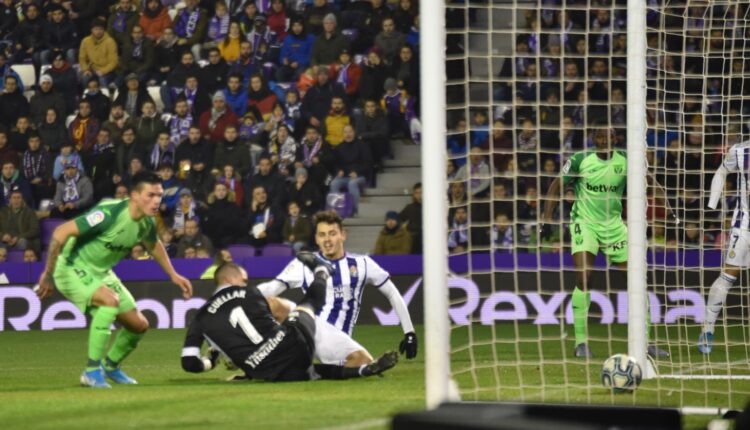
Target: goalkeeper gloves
x=408, y=346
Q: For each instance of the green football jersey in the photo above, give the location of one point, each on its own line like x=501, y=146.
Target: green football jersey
x=599, y=185
x=106, y=236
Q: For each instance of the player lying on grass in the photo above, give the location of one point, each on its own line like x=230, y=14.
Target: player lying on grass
x=738, y=249
x=237, y=322
x=599, y=178
x=343, y=295
x=81, y=255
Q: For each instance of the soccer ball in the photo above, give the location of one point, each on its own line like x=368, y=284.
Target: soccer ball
x=621, y=373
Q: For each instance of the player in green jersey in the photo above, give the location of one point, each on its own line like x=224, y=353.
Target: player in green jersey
x=81, y=255
x=599, y=178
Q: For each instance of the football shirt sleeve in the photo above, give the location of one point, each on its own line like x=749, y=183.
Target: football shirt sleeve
x=572, y=167
x=376, y=275
x=94, y=221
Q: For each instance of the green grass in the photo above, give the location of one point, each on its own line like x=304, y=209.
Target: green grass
x=39, y=384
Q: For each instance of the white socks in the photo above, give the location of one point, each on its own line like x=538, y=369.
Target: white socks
x=716, y=296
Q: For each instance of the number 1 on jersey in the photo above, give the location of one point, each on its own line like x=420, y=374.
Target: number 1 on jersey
x=238, y=317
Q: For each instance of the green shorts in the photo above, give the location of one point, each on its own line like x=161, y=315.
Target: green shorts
x=611, y=239
x=79, y=283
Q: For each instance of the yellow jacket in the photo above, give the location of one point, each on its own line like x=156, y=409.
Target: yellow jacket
x=98, y=55
x=335, y=128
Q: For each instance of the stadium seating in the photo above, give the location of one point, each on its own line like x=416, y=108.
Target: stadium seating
x=241, y=251
x=15, y=256
x=27, y=74
x=47, y=227
x=277, y=250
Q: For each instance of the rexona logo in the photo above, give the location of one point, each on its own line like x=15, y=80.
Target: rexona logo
x=538, y=308
x=601, y=188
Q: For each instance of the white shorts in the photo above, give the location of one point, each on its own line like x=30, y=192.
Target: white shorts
x=332, y=345
x=738, y=251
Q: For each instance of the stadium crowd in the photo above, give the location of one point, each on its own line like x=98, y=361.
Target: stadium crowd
x=565, y=77
x=251, y=111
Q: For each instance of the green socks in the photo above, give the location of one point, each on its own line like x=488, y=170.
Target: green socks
x=581, y=303
x=99, y=333
x=125, y=343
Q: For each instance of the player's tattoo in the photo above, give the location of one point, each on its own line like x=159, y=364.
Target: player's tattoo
x=53, y=252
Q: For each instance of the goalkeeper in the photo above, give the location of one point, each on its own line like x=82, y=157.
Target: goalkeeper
x=599, y=177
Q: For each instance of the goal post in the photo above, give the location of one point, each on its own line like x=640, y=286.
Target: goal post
x=434, y=184
x=637, y=185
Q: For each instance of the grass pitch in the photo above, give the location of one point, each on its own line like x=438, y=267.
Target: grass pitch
x=39, y=384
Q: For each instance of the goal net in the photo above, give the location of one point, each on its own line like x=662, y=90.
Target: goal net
x=530, y=83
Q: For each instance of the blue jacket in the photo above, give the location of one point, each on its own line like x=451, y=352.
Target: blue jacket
x=237, y=102
x=296, y=48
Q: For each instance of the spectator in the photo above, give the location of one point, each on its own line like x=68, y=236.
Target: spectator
x=245, y=65
x=223, y=222
x=123, y=17
x=393, y=239
x=221, y=257
x=282, y=148
x=477, y=172
x=293, y=110
x=265, y=42
x=190, y=253
x=200, y=181
x=480, y=130
x=98, y=54
x=99, y=103
x=389, y=41
x=101, y=162
x=247, y=16
x=148, y=126
x=127, y=150
x=329, y=44
x=295, y=52
x=372, y=129
x=213, y=122
x=317, y=102
x=260, y=99
x=19, y=136
x=526, y=147
x=458, y=235
x=404, y=15
x=400, y=109
x=198, y=99
x=236, y=95
x=271, y=182
x=309, y=153
x=135, y=167
x=68, y=154
x=13, y=104
x=65, y=80
x=412, y=36
x=121, y=192
x=36, y=167
x=304, y=193
x=297, y=229
x=166, y=55
x=163, y=152
x=335, y=122
x=29, y=35
x=166, y=235
x=195, y=153
x=132, y=96
x=277, y=19
x=137, y=56
x=29, y=256
x=52, y=132
x=177, y=81
x=229, y=48
x=60, y=36
x=501, y=233
x=373, y=23
x=190, y=27
x=411, y=216
x=3, y=255
x=233, y=181
x=8, y=19
x=193, y=238
x=179, y=124
x=83, y=128
x=214, y=74
x=172, y=187
x=406, y=70
x=19, y=226
x=374, y=74
x=265, y=221
x=117, y=122
x=12, y=179
x=74, y=195
x=217, y=29
x=347, y=73
x=7, y=153
x=185, y=210
x=154, y=20
x=138, y=252
x=316, y=14
x=351, y=164
x=230, y=151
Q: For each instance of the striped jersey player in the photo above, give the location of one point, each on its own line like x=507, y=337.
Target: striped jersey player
x=335, y=321
x=736, y=160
